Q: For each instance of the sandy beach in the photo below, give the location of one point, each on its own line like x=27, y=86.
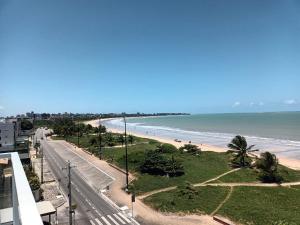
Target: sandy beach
x=291, y=163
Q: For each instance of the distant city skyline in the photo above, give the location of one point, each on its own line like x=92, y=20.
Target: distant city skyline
x=149, y=56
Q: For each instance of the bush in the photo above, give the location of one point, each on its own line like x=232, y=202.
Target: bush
x=93, y=141
x=187, y=189
x=157, y=164
x=166, y=148
x=189, y=148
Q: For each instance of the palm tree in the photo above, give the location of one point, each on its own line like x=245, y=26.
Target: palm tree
x=130, y=139
x=268, y=164
x=241, y=151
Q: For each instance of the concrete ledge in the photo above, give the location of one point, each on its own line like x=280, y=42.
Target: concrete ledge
x=117, y=168
x=222, y=220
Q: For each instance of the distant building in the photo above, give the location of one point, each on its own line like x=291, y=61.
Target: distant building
x=7, y=135
x=14, y=139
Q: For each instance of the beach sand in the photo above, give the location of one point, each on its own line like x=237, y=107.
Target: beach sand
x=291, y=163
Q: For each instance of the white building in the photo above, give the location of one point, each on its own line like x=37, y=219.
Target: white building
x=7, y=135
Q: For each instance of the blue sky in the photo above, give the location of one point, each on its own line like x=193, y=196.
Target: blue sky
x=149, y=56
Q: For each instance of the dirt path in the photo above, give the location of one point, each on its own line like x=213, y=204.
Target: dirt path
x=287, y=184
x=156, y=191
x=145, y=195
x=223, y=202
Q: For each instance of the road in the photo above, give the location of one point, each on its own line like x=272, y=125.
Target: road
x=91, y=207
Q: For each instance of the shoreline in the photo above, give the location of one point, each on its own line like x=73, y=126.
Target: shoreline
x=291, y=163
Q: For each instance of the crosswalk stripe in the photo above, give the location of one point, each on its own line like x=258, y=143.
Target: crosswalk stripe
x=127, y=220
x=105, y=220
x=118, y=218
x=91, y=221
x=112, y=219
x=98, y=221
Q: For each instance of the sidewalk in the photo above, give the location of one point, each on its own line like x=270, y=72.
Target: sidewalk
x=142, y=212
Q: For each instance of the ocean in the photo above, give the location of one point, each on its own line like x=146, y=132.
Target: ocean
x=278, y=132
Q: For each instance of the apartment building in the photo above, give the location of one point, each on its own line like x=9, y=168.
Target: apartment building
x=7, y=135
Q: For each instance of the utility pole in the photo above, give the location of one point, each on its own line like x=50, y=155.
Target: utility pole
x=100, y=140
x=126, y=155
x=70, y=192
x=78, y=135
x=42, y=164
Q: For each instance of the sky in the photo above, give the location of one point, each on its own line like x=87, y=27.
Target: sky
x=191, y=56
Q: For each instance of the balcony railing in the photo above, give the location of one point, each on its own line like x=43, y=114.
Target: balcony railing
x=25, y=211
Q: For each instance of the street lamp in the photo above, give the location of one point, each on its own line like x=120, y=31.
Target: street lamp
x=100, y=139
x=126, y=155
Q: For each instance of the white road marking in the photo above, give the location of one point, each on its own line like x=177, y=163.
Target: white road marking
x=91, y=221
x=98, y=213
x=112, y=219
x=127, y=220
x=98, y=221
x=118, y=218
x=105, y=220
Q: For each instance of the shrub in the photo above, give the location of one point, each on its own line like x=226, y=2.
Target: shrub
x=157, y=164
x=93, y=141
x=187, y=189
x=189, y=148
x=166, y=148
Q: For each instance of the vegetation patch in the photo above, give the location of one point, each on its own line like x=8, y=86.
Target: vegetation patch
x=202, y=200
x=252, y=175
x=263, y=205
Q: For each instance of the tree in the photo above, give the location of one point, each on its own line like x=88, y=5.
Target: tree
x=189, y=148
x=268, y=165
x=121, y=139
x=130, y=139
x=240, y=149
x=109, y=139
x=157, y=164
x=93, y=141
x=174, y=168
x=26, y=125
x=102, y=129
x=88, y=128
x=166, y=148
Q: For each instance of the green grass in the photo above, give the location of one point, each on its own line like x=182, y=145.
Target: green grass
x=252, y=175
x=263, y=205
x=205, y=201
x=197, y=168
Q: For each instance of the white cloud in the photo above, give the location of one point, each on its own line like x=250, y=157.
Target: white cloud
x=236, y=104
x=261, y=103
x=290, y=101
x=1, y=107
x=251, y=104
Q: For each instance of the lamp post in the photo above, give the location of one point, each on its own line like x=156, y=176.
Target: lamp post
x=126, y=155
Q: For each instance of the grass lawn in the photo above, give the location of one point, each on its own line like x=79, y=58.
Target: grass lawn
x=197, y=168
x=252, y=175
x=263, y=205
x=205, y=201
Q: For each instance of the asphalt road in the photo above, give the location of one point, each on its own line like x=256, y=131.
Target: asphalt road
x=91, y=208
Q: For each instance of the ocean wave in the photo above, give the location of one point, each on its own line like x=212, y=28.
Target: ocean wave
x=212, y=138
